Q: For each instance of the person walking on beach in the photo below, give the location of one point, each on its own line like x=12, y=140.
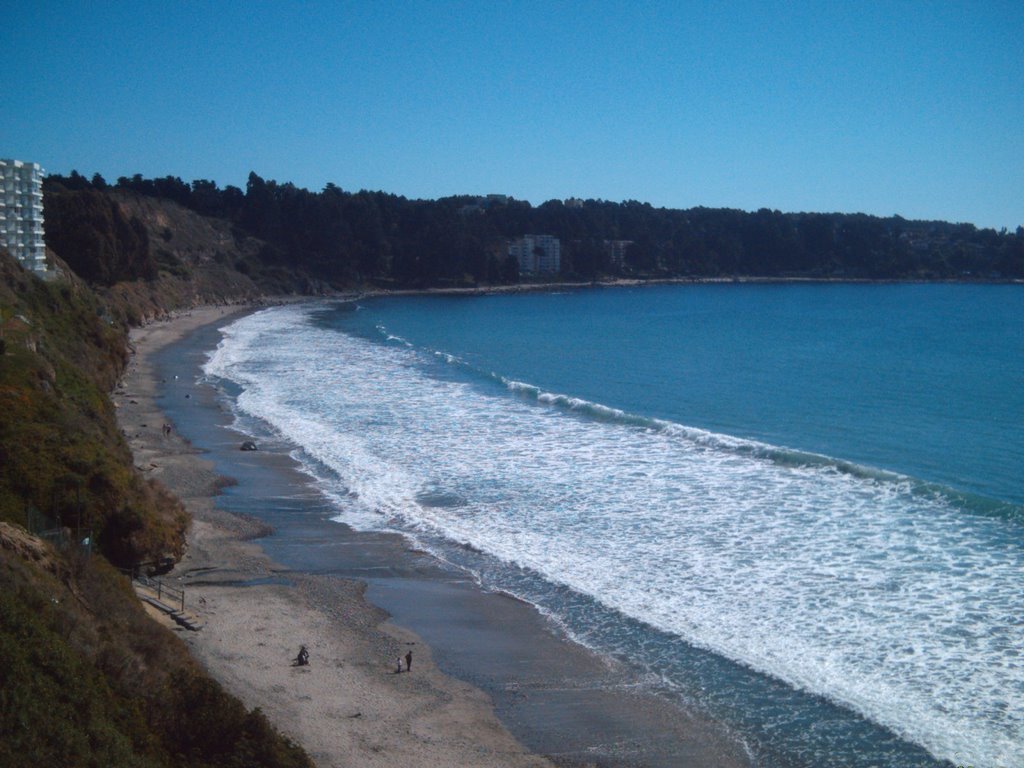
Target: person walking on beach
x=408, y=662
x=398, y=668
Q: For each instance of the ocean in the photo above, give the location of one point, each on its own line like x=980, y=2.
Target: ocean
x=797, y=508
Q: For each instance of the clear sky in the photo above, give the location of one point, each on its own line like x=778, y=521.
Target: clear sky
x=915, y=108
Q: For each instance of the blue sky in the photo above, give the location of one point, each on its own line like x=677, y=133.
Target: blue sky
x=915, y=108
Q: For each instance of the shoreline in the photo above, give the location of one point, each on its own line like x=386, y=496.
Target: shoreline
x=636, y=282
x=567, y=703
x=254, y=621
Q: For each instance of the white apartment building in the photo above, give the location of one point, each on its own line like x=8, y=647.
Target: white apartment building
x=616, y=250
x=537, y=254
x=21, y=213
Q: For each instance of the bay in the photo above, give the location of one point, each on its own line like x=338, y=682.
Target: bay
x=797, y=506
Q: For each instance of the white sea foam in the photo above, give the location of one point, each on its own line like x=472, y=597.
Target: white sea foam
x=851, y=586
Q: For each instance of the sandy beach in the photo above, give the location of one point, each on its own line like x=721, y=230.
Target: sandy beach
x=349, y=707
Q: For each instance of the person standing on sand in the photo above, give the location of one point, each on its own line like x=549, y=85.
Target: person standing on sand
x=398, y=669
x=408, y=662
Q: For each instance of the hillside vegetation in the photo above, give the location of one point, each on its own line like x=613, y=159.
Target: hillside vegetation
x=87, y=678
x=346, y=238
x=62, y=456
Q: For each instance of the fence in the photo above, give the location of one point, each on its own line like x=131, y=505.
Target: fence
x=62, y=538
x=165, y=593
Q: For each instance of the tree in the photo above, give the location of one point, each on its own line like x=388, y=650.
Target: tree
x=343, y=237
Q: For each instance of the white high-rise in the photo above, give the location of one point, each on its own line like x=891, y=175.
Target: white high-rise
x=21, y=213
x=537, y=253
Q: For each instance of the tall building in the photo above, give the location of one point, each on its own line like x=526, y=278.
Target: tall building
x=616, y=250
x=537, y=254
x=21, y=213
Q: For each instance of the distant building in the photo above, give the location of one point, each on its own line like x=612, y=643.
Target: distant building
x=481, y=204
x=471, y=208
x=573, y=202
x=616, y=250
x=21, y=213
x=537, y=254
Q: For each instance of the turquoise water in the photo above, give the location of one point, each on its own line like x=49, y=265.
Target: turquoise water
x=797, y=506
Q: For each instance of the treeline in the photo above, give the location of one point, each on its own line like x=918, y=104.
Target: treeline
x=348, y=237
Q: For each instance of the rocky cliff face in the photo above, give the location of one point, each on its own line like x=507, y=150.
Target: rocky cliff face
x=147, y=256
x=197, y=261
x=222, y=263
x=184, y=235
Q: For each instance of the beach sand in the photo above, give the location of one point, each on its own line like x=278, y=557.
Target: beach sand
x=349, y=707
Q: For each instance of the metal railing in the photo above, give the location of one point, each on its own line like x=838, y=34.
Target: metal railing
x=165, y=593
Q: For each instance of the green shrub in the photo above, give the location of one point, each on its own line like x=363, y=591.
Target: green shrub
x=88, y=679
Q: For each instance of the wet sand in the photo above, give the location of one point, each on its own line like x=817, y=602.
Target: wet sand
x=493, y=685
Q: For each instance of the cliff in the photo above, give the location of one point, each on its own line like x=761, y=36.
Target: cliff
x=146, y=256
x=88, y=679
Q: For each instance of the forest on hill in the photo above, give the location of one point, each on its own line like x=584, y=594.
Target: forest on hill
x=345, y=238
